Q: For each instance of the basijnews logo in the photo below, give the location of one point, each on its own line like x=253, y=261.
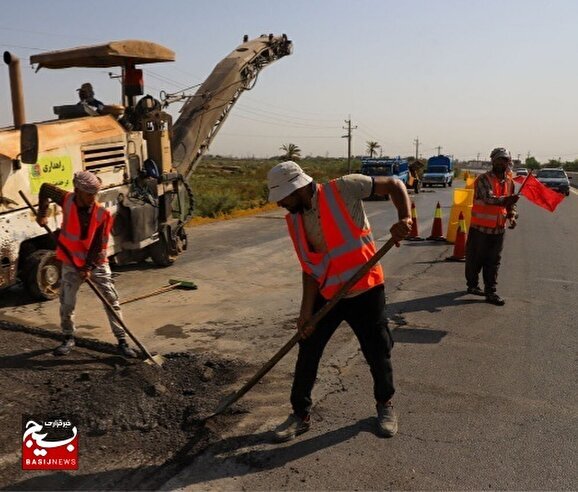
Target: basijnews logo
x=49, y=444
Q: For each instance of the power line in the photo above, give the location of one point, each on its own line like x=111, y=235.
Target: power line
x=250, y=108
x=245, y=135
x=278, y=123
x=248, y=98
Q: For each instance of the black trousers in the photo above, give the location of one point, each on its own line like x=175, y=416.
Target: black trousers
x=367, y=317
x=483, y=253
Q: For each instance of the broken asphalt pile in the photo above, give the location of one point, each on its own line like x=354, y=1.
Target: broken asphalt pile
x=131, y=417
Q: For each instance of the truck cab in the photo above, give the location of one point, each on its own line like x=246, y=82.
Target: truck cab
x=439, y=171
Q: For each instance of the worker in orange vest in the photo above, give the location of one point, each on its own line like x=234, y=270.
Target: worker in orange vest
x=494, y=205
x=333, y=240
x=85, y=231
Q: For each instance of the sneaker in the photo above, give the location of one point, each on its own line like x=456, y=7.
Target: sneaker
x=65, y=347
x=476, y=291
x=494, y=298
x=291, y=428
x=125, y=350
x=386, y=420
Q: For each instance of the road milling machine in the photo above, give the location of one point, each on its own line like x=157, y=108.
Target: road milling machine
x=144, y=159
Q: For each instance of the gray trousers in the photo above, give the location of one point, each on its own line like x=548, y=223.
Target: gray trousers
x=71, y=282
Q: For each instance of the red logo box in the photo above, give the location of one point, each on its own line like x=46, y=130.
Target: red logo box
x=49, y=444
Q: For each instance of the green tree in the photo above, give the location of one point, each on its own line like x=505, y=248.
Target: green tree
x=571, y=166
x=372, y=148
x=532, y=163
x=292, y=152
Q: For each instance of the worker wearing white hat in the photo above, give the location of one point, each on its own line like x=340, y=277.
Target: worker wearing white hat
x=332, y=239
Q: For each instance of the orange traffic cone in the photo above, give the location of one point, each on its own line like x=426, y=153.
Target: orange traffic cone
x=460, y=244
x=414, y=235
x=437, y=233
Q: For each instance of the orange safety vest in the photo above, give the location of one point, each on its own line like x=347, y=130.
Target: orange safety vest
x=70, y=231
x=493, y=216
x=349, y=247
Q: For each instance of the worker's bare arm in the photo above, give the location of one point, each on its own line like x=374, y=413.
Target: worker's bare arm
x=310, y=292
x=47, y=193
x=395, y=188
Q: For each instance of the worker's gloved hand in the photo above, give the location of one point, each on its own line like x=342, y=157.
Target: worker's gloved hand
x=510, y=200
x=513, y=224
x=41, y=221
x=84, y=274
x=400, y=230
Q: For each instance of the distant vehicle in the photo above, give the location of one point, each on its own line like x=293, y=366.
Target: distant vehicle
x=397, y=168
x=555, y=178
x=439, y=171
x=521, y=171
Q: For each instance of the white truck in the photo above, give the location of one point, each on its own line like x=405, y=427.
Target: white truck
x=439, y=171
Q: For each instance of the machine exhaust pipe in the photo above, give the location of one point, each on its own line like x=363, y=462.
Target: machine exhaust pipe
x=15, y=88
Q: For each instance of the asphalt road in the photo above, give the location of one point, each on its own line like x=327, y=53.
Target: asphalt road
x=486, y=395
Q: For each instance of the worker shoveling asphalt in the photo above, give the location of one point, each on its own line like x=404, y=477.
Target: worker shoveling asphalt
x=82, y=248
x=342, y=281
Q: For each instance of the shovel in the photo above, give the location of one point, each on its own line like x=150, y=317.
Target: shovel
x=318, y=316
x=157, y=359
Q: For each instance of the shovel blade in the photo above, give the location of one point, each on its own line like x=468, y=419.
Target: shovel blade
x=225, y=403
x=155, y=360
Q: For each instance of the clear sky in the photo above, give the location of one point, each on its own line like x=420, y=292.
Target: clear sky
x=466, y=75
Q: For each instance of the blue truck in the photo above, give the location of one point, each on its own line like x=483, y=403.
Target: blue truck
x=439, y=171
x=395, y=167
x=377, y=166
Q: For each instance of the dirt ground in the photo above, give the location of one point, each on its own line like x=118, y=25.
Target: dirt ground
x=136, y=423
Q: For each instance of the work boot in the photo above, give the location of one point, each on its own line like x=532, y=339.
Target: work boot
x=476, y=291
x=65, y=347
x=291, y=428
x=494, y=298
x=125, y=350
x=386, y=419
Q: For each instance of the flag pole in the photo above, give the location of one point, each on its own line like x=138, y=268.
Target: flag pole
x=524, y=182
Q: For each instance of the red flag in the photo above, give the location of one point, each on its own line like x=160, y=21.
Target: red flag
x=538, y=193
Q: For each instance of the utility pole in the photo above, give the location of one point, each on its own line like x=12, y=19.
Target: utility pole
x=478, y=159
x=439, y=147
x=349, y=128
x=416, y=142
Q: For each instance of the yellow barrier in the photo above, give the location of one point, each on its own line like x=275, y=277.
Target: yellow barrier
x=463, y=201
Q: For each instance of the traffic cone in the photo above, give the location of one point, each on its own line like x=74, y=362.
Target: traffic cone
x=414, y=235
x=437, y=233
x=460, y=244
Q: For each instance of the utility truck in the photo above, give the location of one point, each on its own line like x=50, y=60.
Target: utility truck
x=439, y=171
x=144, y=159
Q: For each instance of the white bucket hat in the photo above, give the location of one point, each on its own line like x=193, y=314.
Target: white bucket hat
x=284, y=179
